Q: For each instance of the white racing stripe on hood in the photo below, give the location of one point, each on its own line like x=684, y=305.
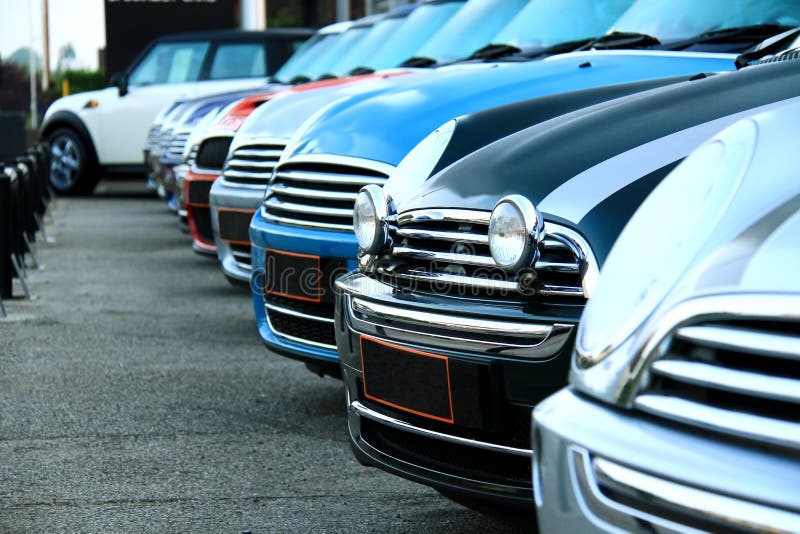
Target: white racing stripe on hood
x=576, y=197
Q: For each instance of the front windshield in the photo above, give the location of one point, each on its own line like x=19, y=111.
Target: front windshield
x=359, y=55
x=417, y=29
x=333, y=54
x=671, y=20
x=471, y=28
x=544, y=23
x=302, y=57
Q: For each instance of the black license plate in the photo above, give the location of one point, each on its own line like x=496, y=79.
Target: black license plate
x=234, y=225
x=412, y=381
x=292, y=275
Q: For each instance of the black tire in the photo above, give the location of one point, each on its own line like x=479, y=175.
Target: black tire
x=73, y=170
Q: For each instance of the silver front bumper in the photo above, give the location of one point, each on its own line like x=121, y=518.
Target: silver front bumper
x=597, y=468
x=235, y=259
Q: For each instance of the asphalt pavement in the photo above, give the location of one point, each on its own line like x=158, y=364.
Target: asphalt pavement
x=136, y=396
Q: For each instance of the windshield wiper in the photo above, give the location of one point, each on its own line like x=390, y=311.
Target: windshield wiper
x=773, y=45
x=418, y=62
x=494, y=51
x=558, y=48
x=300, y=78
x=327, y=76
x=359, y=71
x=754, y=32
x=621, y=40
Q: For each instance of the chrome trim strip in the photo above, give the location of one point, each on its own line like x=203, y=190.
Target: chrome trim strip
x=300, y=315
x=453, y=279
x=558, y=267
x=722, y=378
x=720, y=420
x=678, y=498
x=328, y=178
x=297, y=339
x=247, y=151
x=274, y=203
x=550, y=290
x=247, y=175
x=241, y=255
x=445, y=257
x=239, y=185
x=236, y=163
x=460, y=323
x=205, y=170
x=363, y=411
x=330, y=159
x=304, y=224
x=743, y=340
x=612, y=515
x=283, y=189
x=456, y=237
x=444, y=215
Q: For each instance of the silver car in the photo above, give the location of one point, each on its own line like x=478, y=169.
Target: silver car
x=682, y=410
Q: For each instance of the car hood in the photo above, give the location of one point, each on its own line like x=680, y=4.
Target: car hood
x=387, y=126
x=282, y=115
x=591, y=168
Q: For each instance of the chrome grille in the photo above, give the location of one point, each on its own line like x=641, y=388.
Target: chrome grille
x=192, y=156
x=177, y=144
x=252, y=164
x=448, y=251
x=735, y=376
x=320, y=194
x=153, y=137
x=164, y=140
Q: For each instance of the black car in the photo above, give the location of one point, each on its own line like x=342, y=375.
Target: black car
x=463, y=314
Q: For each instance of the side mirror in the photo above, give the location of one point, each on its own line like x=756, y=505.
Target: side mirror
x=120, y=80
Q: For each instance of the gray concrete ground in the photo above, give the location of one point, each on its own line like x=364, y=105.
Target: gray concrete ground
x=135, y=396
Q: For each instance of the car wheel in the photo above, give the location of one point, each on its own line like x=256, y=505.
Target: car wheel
x=71, y=170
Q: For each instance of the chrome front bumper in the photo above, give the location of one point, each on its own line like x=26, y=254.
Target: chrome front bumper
x=528, y=357
x=234, y=256
x=597, y=468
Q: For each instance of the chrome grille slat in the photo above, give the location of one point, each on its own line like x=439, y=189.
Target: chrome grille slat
x=275, y=204
x=740, y=339
x=301, y=192
x=445, y=257
x=452, y=279
x=237, y=163
x=252, y=164
x=320, y=191
x=746, y=425
x=716, y=377
x=344, y=179
x=258, y=154
x=476, y=239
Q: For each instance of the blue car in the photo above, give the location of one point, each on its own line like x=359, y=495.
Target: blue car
x=302, y=235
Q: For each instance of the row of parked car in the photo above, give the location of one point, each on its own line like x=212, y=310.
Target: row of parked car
x=550, y=253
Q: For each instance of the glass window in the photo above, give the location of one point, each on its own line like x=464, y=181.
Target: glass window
x=680, y=19
x=548, y=22
x=417, y=29
x=170, y=63
x=332, y=54
x=471, y=28
x=238, y=60
x=302, y=57
x=359, y=55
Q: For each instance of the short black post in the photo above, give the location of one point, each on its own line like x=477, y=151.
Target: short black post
x=6, y=267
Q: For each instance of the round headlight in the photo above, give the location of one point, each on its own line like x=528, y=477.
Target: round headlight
x=370, y=219
x=515, y=228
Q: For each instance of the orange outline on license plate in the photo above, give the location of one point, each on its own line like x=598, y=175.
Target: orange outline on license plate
x=451, y=420
x=296, y=255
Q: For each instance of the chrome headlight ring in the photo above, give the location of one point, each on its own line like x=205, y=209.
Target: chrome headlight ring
x=515, y=229
x=371, y=219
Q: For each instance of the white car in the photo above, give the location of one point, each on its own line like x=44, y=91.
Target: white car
x=104, y=131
